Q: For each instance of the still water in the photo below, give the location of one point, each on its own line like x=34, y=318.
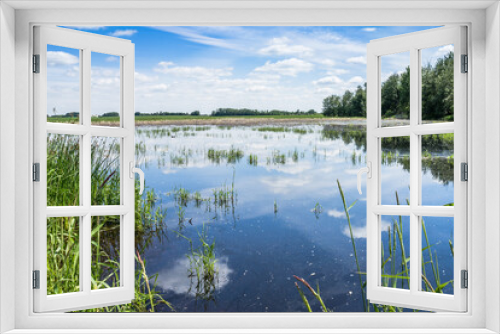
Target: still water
x=266, y=199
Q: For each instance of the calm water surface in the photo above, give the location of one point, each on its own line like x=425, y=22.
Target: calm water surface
x=285, y=217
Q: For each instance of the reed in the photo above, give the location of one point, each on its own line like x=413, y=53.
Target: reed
x=63, y=233
x=394, y=274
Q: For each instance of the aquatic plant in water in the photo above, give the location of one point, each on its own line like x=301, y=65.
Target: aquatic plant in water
x=393, y=278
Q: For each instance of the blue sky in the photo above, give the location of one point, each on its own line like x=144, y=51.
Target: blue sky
x=181, y=69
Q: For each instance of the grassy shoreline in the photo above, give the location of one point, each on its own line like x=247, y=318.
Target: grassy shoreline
x=219, y=120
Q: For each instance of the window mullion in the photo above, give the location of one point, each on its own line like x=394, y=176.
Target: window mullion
x=85, y=178
x=414, y=171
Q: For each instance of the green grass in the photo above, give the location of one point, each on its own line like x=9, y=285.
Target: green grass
x=63, y=233
x=97, y=120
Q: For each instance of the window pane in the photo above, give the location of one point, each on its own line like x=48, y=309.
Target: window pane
x=105, y=171
x=105, y=89
x=63, y=255
x=437, y=84
x=105, y=252
x=395, y=170
x=63, y=84
x=437, y=254
x=63, y=170
x=395, y=94
x=395, y=234
x=437, y=169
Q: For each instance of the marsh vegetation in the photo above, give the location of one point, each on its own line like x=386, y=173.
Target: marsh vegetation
x=234, y=213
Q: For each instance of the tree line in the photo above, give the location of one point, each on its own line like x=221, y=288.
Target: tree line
x=437, y=95
x=255, y=112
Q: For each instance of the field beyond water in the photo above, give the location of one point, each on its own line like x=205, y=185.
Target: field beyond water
x=257, y=217
x=216, y=120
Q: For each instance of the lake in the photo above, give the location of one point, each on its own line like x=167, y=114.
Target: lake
x=260, y=204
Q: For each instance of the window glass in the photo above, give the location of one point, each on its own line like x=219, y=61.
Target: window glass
x=63, y=84
x=438, y=169
x=63, y=170
x=105, y=252
x=105, y=89
x=395, y=89
x=437, y=84
x=395, y=170
x=437, y=254
x=105, y=179
x=63, y=255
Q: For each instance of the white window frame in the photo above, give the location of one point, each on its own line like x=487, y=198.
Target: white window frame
x=414, y=297
x=86, y=43
x=483, y=50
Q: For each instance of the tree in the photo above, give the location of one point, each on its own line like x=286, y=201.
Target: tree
x=346, y=109
x=437, y=95
x=331, y=106
x=390, y=96
x=358, y=102
x=195, y=113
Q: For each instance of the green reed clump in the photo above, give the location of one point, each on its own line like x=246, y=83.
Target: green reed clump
x=295, y=155
x=225, y=196
x=202, y=270
x=299, y=131
x=181, y=196
x=273, y=129
x=278, y=157
x=253, y=160
x=197, y=198
x=231, y=156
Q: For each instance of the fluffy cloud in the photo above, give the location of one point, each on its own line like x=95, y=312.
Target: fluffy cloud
x=282, y=47
x=139, y=77
x=370, y=29
x=167, y=67
x=335, y=213
x=177, y=278
x=288, y=67
x=55, y=58
x=357, y=80
x=328, y=81
x=357, y=60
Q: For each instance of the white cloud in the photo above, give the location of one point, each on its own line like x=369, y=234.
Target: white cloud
x=88, y=27
x=357, y=60
x=154, y=88
x=357, y=232
x=55, y=58
x=335, y=213
x=445, y=49
x=356, y=79
x=140, y=77
x=257, y=88
x=177, y=279
x=289, y=67
x=371, y=29
x=328, y=81
x=326, y=62
x=197, y=35
x=337, y=71
x=282, y=47
x=123, y=33
x=167, y=67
